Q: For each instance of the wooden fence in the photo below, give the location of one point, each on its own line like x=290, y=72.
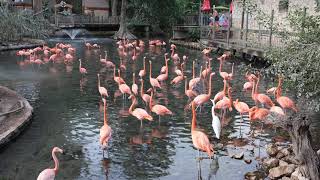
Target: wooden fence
x=82, y=20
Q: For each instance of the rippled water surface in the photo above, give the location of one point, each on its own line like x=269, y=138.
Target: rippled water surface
x=68, y=113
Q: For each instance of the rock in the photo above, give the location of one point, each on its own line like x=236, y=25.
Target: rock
x=296, y=175
x=290, y=159
x=219, y=146
x=285, y=152
x=256, y=175
x=251, y=149
x=285, y=178
x=270, y=163
x=283, y=163
x=238, y=156
x=248, y=161
x=272, y=150
x=280, y=155
x=318, y=152
x=280, y=171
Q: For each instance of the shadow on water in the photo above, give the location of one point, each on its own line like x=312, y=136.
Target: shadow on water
x=68, y=114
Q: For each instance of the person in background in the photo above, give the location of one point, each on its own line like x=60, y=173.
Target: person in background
x=223, y=21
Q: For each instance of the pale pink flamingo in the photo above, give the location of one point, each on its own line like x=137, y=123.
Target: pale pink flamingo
x=49, y=174
x=81, y=69
x=222, y=93
x=194, y=79
x=134, y=86
x=178, y=78
x=105, y=130
x=191, y=94
x=164, y=68
x=118, y=80
x=160, y=110
x=225, y=102
x=143, y=71
x=205, y=73
x=124, y=89
x=203, y=98
x=164, y=77
x=200, y=139
x=154, y=82
x=122, y=66
x=139, y=113
x=134, y=56
x=225, y=75
x=145, y=97
x=102, y=90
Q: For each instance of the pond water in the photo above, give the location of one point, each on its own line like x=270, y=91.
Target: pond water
x=68, y=113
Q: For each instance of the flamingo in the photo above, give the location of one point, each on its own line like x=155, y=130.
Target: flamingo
x=102, y=90
x=178, y=78
x=164, y=77
x=187, y=91
x=164, y=68
x=118, y=80
x=225, y=75
x=103, y=61
x=124, y=89
x=225, y=102
x=222, y=93
x=49, y=174
x=108, y=63
x=81, y=69
x=199, y=139
x=242, y=108
x=105, y=130
x=256, y=113
x=277, y=110
x=134, y=86
x=154, y=82
x=143, y=71
x=261, y=98
x=202, y=98
x=145, y=97
x=134, y=56
x=139, y=113
x=208, y=70
x=194, y=80
x=216, y=124
x=122, y=66
x=285, y=102
x=160, y=110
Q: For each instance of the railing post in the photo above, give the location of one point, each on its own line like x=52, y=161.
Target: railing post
x=271, y=28
x=247, y=29
x=259, y=34
x=242, y=18
x=303, y=19
x=229, y=25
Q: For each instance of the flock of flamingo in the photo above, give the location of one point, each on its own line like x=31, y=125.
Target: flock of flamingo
x=194, y=89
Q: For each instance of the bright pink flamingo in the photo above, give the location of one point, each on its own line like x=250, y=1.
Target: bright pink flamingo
x=139, y=113
x=187, y=91
x=134, y=86
x=256, y=113
x=102, y=90
x=105, y=130
x=81, y=69
x=199, y=139
x=261, y=98
x=49, y=174
x=142, y=72
x=154, y=82
x=202, y=98
x=145, y=97
x=160, y=110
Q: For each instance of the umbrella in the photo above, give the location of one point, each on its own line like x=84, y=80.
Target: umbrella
x=221, y=8
x=205, y=5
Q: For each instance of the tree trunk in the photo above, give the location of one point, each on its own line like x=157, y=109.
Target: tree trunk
x=123, y=32
x=297, y=125
x=114, y=8
x=37, y=5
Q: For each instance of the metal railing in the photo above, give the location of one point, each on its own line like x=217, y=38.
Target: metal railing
x=79, y=20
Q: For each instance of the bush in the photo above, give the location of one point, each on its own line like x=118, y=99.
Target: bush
x=15, y=24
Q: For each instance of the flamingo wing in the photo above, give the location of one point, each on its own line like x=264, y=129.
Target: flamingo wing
x=200, y=141
x=47, y=174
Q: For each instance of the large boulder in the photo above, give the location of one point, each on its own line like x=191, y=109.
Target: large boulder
x=270, y=163
x=272, y=150
x=281, y=171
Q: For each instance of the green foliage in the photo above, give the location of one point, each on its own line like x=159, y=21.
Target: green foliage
x=299, y=59
x=15, y=24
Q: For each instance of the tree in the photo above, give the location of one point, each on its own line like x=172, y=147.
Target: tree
x=123, y=32
x=114, y=8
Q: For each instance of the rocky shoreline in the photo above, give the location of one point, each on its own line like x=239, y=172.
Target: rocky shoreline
x=25, y=43
x=15, y=114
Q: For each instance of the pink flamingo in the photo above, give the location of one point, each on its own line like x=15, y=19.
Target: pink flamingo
x=134, y=56
x=199, y=139
x=124, y=89
x=105, y=130
x=49, y=174
x=164, y=68
x=160, y=110
x=164, y=77
x=118, y=80
x=256, y=113
x=154, y=82
x=208, y=70
x=194, y=80
x=145, y=97
x=222, y=93
x=139, y=113
x=283, y=101
x=103, y=61
x=187, y=91
x=134, y=86
x=178, y=78
x=142, y=72
x=102, y=90
x=225, y=102
x=261, y=98
x=81, y=69
x=202, y=98
x=225, y=75
x=277, y=109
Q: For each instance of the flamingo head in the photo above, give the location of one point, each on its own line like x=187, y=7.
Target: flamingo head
x=173, y=46
x=131, y=96
x=236, y=101
x=184, y=57
x=149, y=90
x=56, y=149
x=254, y=108
x=213, y=73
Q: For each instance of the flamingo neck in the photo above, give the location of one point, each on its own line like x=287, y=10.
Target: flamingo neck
x=144, y=64
x=167, y=68
x=232, y=69
x=224, y=86
x=141, y=91
x=133, y=79
x=150, y=70
x=220, y=67
x=80, y=65
x=194, y=118
x=132, y=105
x=114, y=72
x=257, y=86
x=56, y=162
x=99, y=81
x=150, y=102
x=185, y=86
x=253, y=90
x=200, y=72
x=172, y=52
x=119, y=74
x=105, y=120
x=106, y=55
x=193, y=75
x=210, y=82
